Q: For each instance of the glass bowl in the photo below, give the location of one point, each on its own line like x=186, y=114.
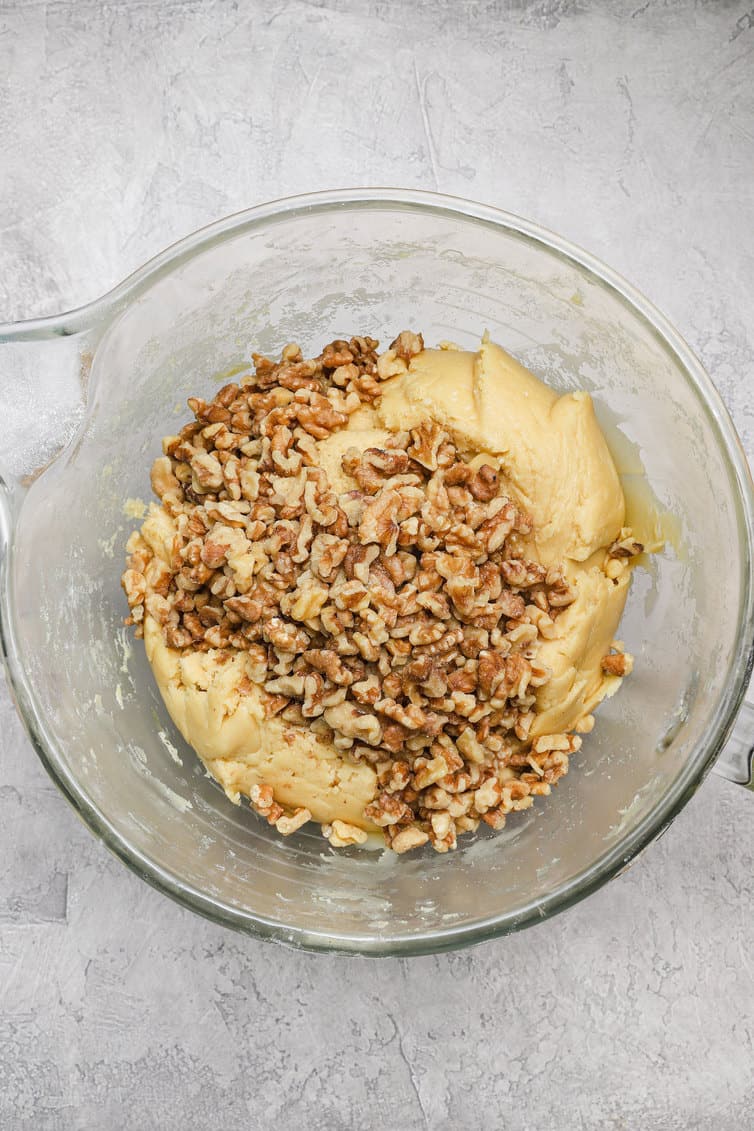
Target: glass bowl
x=86, y=399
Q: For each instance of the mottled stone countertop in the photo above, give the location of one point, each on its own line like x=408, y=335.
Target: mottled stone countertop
x=629, y=128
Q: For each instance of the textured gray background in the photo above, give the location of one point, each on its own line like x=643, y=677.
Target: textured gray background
x=628, y=127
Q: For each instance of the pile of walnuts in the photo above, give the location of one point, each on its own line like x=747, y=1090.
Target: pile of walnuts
x=399, y=619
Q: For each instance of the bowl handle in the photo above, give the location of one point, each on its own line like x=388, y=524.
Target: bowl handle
x=736, y=763
x=44, y=374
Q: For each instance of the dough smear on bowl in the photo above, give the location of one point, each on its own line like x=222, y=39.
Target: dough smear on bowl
x=380, y=591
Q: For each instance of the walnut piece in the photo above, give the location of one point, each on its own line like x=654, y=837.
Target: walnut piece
x=618, y=663
x=341, y=834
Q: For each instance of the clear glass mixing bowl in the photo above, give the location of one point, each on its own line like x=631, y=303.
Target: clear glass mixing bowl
x=89, y=395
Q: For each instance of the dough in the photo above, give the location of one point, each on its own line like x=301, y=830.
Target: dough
x=556, y=465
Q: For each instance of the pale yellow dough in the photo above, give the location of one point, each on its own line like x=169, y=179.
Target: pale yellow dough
x=555, y=464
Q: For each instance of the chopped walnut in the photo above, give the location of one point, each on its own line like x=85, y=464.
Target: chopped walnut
x=426, y=441
x=408, y=839
x=618, y=663
x=288, y=825
x=341, y=834
x=354, y=722
x=407, y=345
x=625, y=545
x=379, y=521
x=263, y=801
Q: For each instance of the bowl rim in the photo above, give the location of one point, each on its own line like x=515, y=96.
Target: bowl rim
x=103, y=311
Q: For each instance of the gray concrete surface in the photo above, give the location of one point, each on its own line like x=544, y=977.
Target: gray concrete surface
x=628, y=127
